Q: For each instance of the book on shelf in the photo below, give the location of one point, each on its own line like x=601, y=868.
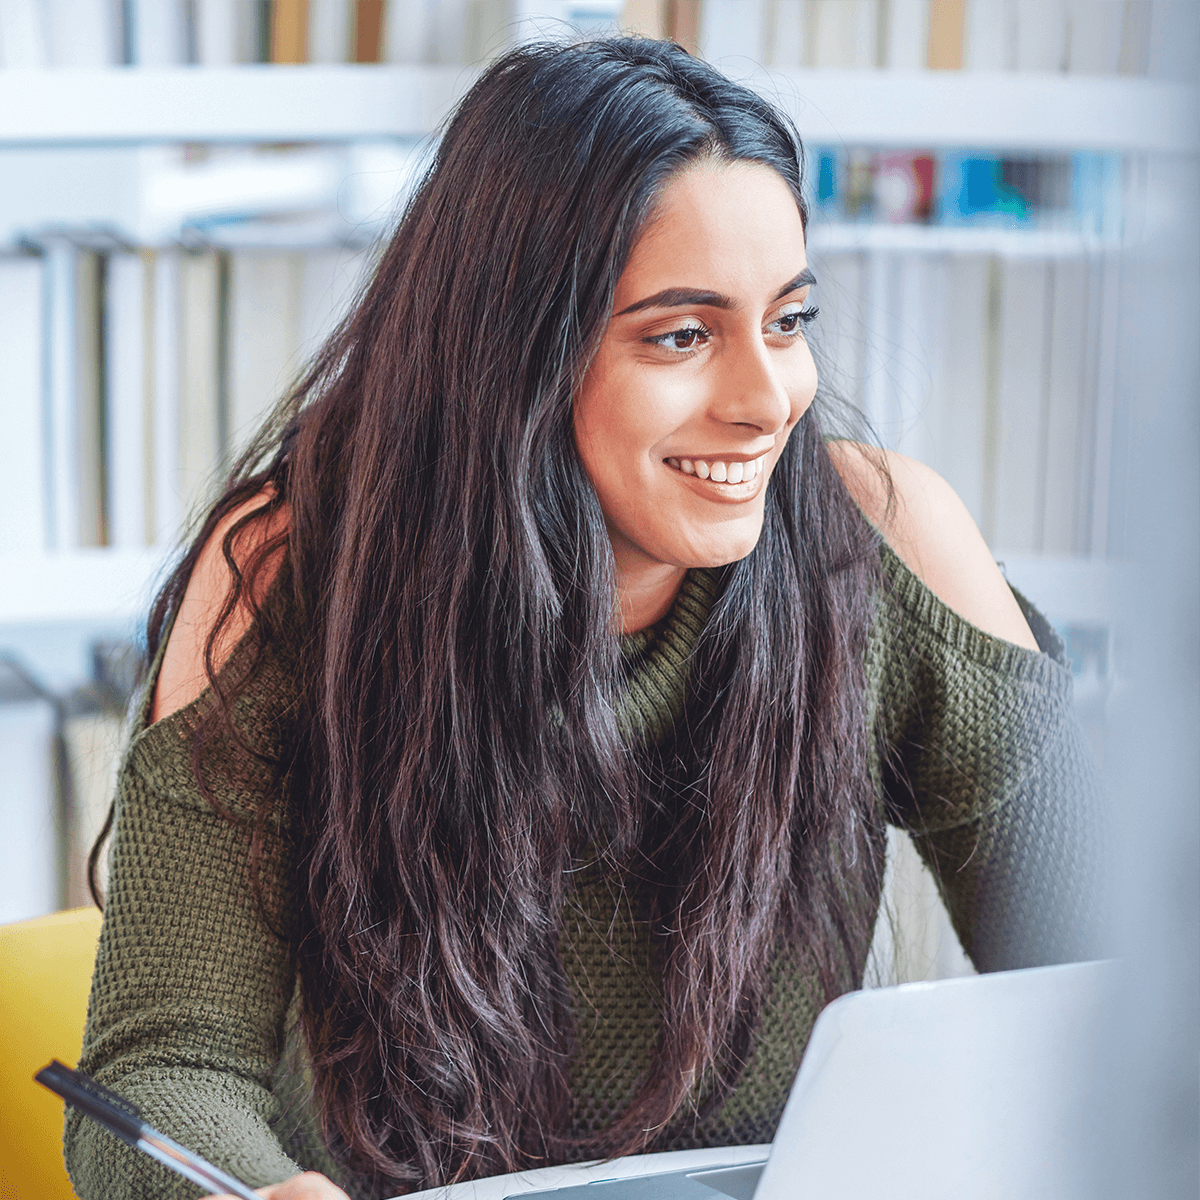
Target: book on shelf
x=906, y=35
x=72, y=400
x=264, y=336
x=89, y=431
x=837, y=336
x=953, y=443
x=23, y=476
x=203, y=273
x=156, y=34
x=1038, y=429
x=367, y=38
x=1094, y=32
x=82, y=33
x=165, y=501
x=212, y=32
x=1064, y=431
x=1041, y=35
x=282, y=305
x=845, y=33
x=808, y=33
x=1077, y=193
x=1018, y=408
x=92, y=741
x=1105, y=37
x=945, y=23
x=134, y=376
x=1137, y=35
x=902, y=187
x=23, y=34
x=732, y=30
x=983, y=368
x=329, y=27
x=93, y=727
x=784, y=33
x=142, y=448
x=899, y=293
x=59, y=753
x=31, y=850
x=289, y=31
x=127, y=388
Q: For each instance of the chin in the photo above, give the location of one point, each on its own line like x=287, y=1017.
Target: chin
x=720, y=552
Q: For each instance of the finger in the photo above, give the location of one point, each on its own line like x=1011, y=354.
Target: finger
x=309, y=1186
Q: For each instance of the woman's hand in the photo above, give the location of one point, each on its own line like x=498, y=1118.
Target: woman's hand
x=309, y=1186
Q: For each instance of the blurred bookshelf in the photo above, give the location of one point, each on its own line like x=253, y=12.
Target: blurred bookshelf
x=352, y=102
x=193, y=190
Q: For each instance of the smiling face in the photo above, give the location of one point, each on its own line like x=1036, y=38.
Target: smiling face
x=701, y=376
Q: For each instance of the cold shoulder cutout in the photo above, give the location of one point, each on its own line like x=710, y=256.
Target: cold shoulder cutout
x=930, y=530
x=181, y=675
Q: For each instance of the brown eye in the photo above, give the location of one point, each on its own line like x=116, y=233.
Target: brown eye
x=792, y=323
x=682, y=340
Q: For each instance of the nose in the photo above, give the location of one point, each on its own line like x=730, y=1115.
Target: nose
x=754, y=391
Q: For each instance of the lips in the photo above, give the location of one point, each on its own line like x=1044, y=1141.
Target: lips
x=720, y=470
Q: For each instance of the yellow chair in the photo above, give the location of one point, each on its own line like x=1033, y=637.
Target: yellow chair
x=45, y=973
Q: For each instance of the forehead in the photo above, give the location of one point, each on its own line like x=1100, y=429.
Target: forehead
x=732, y=227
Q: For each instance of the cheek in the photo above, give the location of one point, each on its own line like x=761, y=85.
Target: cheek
x=590, y=418
x=619, y=416
x=802, y=382
x=603, y=440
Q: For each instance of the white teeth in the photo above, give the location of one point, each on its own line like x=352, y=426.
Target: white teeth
x=720, y=472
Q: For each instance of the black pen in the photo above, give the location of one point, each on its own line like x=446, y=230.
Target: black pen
x=124, y=1119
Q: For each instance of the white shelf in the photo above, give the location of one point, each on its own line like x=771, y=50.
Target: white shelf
x=103, y=585
x=117, y=105
x=844, y=237
x=1000, y=111
x=1032, y=112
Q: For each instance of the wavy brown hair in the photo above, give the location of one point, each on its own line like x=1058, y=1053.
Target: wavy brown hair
x=450, y=590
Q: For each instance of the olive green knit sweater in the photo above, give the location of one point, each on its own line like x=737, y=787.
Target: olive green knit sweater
x=192, y=1011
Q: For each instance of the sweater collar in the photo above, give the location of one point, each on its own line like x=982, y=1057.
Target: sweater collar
x=660, y=660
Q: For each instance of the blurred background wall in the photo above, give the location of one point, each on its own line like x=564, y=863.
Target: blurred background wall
x=1005, y=232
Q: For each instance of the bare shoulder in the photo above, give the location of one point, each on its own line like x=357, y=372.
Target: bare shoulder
x=182, y=677
x=929, y=527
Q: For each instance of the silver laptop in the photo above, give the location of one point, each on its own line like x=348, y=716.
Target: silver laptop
x=988, y=1086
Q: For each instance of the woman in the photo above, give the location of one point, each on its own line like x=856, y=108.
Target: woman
x=525, y=718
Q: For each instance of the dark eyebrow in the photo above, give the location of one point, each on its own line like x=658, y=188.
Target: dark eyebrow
x=805, y=279
x=679, y=297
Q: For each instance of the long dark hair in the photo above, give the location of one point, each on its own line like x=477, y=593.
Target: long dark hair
x=449, y=571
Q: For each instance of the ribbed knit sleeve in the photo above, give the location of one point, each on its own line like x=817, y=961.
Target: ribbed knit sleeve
x=191, y=984
x=986, y=767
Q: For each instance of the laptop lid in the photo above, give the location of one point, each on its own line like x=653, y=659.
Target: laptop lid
x=986, y=1086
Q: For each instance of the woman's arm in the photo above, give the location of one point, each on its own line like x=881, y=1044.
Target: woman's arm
x=930, y=529
x=985, y=764
x=182, y=677
x=193, y=981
